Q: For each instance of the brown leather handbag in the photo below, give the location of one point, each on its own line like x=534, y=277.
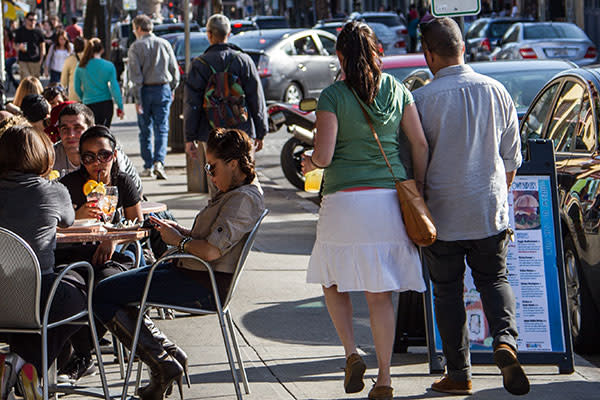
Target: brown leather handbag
x=415, y=214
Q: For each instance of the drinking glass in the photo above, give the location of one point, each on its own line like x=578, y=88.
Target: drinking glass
x=108, y=203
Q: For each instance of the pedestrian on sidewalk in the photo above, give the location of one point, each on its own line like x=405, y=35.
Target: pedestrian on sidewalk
x=471, y=125
x=361, y=242
x=96, y=83
x=67, y=75
x=217, y=58
x=31, y=47
x=60, y=49
x=154, y=72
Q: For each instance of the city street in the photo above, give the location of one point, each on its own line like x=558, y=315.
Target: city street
x=289, y=345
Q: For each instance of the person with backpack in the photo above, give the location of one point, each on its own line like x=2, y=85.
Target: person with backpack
x=222, y=90
x=154, y=72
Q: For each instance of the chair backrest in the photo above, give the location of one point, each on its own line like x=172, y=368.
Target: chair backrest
x=249, y=241
x=20, y=283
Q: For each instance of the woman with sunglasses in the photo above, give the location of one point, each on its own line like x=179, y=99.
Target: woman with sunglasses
x=217, y=236
x=97, y=148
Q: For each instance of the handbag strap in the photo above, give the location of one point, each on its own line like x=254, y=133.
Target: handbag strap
x=374, y=133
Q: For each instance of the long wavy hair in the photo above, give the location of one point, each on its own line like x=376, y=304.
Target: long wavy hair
x=233, y=144
x=361, y=62
x=93, y=46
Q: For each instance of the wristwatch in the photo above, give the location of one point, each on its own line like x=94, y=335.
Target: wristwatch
x=182, y=243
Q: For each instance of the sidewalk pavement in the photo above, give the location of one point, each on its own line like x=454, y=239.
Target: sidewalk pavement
x=288, y=342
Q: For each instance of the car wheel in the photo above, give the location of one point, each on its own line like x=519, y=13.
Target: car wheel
x=582, y=311
x=292, y=94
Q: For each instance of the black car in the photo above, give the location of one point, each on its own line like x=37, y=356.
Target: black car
x=292, y=63
x=484, y=35
x=270, y=22
x=198, y=44
x=566, y=112
x=242, y=25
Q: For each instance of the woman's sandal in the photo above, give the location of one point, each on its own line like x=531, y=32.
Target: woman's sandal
x=30, y=383
x=382, y=393
x=354, y=372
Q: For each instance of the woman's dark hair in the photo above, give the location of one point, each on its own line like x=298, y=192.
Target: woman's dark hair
x=59, y=33
x=78, y=44
x=99, y=132
x=233, y=144
x=358, y=45
x=93, y=46
x=25, y=150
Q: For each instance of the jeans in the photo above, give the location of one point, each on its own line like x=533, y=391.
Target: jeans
x=103, y=112
x=170, y=285
x=487, y=260
x=54, y=76
x=8, y=63
x=154, y=121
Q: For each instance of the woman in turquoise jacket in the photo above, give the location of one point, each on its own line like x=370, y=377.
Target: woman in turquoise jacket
x=96, y=83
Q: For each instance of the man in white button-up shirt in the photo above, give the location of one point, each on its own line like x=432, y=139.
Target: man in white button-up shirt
x=471, y=125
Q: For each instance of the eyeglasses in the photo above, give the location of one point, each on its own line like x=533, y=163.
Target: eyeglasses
x=103, y=156
x=210, y=168
x=31, y=19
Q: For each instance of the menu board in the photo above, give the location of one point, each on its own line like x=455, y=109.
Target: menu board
x=533, y=274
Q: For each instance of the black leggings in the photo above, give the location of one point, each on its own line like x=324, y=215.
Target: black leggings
x=68, y=300
x=103, y=112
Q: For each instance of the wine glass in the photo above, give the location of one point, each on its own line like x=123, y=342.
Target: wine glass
x=108, y=203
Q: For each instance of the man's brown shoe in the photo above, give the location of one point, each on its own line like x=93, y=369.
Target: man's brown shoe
x=381, y=393
x=447, y=385
x=514, y=378
x=354, y=372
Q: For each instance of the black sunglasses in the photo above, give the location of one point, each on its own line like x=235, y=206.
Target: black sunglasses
x=103, y=156
x=210, y=168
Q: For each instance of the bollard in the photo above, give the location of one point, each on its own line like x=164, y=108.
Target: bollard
x=196, y=176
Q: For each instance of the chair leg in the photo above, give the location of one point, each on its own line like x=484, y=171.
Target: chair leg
x=98, y=351
x=52, y=378
x=45, y=362
x=236, y=347
x=138, y=378
x=228, y=351
x=120, y=358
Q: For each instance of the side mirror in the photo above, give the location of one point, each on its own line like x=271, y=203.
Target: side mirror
x=308, y=104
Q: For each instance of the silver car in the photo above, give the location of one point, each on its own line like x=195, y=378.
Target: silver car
x=546, y=40
x=392, y=21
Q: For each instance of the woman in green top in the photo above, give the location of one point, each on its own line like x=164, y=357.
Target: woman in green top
x=95, y=83
x=361, y=241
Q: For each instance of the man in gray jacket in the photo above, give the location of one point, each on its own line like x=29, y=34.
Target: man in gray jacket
x=472, y=129
x=218, y=55
x=154, y=72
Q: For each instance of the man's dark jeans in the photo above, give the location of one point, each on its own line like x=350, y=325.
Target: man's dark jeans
x=487, y=260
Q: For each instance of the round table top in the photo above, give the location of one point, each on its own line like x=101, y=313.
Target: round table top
x=64, y=236
x=152, y=207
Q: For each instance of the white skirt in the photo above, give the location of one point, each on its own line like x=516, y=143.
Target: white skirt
x=362, y=244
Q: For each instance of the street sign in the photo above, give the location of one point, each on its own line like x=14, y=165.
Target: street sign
x=455, y=8
x=129, y=5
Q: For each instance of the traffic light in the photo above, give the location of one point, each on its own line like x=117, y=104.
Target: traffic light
x=39, y=4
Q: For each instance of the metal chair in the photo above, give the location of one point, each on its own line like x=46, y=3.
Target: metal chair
x=222, y=311
x=20, y=280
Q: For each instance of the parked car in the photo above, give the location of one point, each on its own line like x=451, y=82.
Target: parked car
x=522, y=79
x=389, y=19
x=242, y=25
x=333, y=26
x=198, y=44
x=163, y=29
x=546, y=40
x=270, y=22
x=292, y=63
x=401, y=66
x=483, y=36
x=389, y=42
x=566, y=111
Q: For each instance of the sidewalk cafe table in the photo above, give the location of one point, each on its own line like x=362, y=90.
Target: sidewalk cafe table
x=152, y=207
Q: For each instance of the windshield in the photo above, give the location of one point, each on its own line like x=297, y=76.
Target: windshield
x=388, y=20
x=524, y=85
x=546, y=31
x=252, y=42
x=197, y=47
x=498, y=29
